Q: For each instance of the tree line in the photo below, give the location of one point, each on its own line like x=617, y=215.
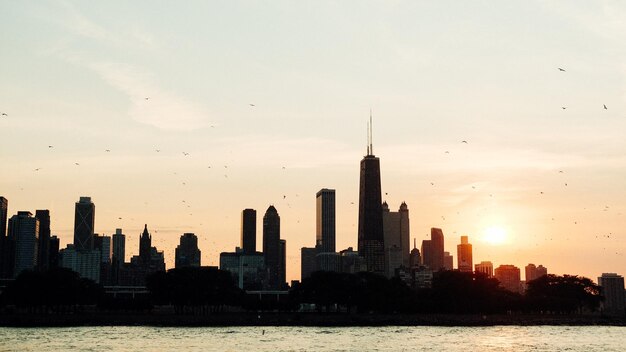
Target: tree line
x=210, y=290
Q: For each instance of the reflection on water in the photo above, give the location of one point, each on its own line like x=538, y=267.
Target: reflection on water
x=275, y=339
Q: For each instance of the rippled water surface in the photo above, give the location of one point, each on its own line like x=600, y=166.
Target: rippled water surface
x=275, y=339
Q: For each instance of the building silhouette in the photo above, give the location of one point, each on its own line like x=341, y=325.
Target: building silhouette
x=248, y=231
x=149, y=261
x=187, y=252
x=84, y=219
x=85, y=262
x=4, y=209
x=371, y=239
x=23, y=233
x=509, y=277
x=397, y=238
x=307, y=262
x=325, y=220
x=534, y=272
x=247, y=269
x=485, y=267
x=272, y=249
x=6, y=247
x=448, y=261
x=464, y=255
x=432, y=250
x=352, y=262
x=103, y=245
x=613, y=292
x=415, y=259
x=53, y=255
x=43, y=245
x=118, y=256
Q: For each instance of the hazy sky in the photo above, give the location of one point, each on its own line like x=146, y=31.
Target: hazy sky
x=76, y=75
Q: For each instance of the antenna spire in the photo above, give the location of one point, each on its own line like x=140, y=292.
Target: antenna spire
x=370, y=147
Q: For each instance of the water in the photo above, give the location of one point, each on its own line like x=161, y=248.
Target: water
x=276, y=339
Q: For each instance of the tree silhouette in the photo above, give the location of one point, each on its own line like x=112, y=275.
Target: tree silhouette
x=562, y=294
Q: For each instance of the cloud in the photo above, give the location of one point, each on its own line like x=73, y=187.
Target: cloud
x=151, y=104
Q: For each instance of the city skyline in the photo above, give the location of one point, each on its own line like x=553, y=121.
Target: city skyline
x=500, y=143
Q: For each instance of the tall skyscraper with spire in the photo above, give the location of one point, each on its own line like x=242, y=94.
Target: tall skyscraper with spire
x=371, y=235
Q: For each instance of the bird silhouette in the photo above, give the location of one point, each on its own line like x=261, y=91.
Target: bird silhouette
x=4, y=114
x=50, y=146
x=158, y=150
x=76, y=164
x=464, y=142
x=252, y=104
x=147, y=98
x=447, y=152
x=107, y=150
x=605, y=108
x=563, y=107
x=562, y=70
x=185, y=154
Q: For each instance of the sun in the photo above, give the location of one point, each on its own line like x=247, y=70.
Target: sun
x=495, y=235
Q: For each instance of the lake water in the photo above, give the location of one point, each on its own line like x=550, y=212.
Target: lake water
x=275, y=339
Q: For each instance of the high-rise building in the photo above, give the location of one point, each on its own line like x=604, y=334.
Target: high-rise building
x=53, y=255
x=427, y=253
x=464, y=255
x=6, y=246
x=43, y=246
x=509, y=277
x=307, y=262
x=119, y=248
x=248, y=231
x=485, y=267
x=325, y=220
x=85, y=262
x=187, y=252
x=534, y=272
x=271, y=247
x=4, y=209
x=397, y=238
x=145, y=245
x=448, y=261
x=352, y=262
x=102, y=245
x=415, y=259
x=613, y=292
x=24, y=233
x=282, y=264
x=371, y=236
x=84, y=219
x=436, y=238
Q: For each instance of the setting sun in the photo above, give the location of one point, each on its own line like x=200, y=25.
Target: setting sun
x=495, y=235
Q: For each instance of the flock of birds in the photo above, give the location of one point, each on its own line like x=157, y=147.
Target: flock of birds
x=284, y=196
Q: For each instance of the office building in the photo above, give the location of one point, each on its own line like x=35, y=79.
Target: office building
x=84, y=220
x=43, y=245
x=613, y=292
x=371, y=239
x=247, y=269
x=119, y=248
x=307, y=262
x=415, y=259
x=23, y=233
x=248, y=231
x=509, y=277
x=187, y=252
x=534, y=272
x=6, y=247
x=396, y=238
x=272, y=248
x=485, y=267
x=464, y=255
x=325, y=220
x=84, y=262
x=53, y=255
x=448, y=261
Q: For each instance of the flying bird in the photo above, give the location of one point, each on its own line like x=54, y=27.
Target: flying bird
x=464, y=142
x=4, y=114
x=147, y=98
x=605, y=108
x=252, y=104
x=50, y=146
x=562, y=70
x=157, y=150
x=76, y=164
x=447, y=152
x=107, y=150
x=432, y=184
x=284, y=196
x=185, y=154
x=563, y=107
x=37, y=169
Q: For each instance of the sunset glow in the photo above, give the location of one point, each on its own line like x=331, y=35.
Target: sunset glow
x=495, y=235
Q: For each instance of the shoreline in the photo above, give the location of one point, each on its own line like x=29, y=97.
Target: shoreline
x=298, y=319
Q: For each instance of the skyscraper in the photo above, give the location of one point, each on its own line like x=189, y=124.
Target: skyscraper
x=24, y=233
x=464, y=255
x=145, y=245
x=415, y=259
x=509, y=277
x=432, y=250
x=84, y=218
x=53, y=255
x=248, y=231
x=119, y=248
x=4, y=209
x=187, y=252
x=613, y=292
x=43, y=246
x=371, y=235
x=272, y=247
x=396, y=234
x=325, y=220
x=307, y=262
x=6, y=247
x=448, y=261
